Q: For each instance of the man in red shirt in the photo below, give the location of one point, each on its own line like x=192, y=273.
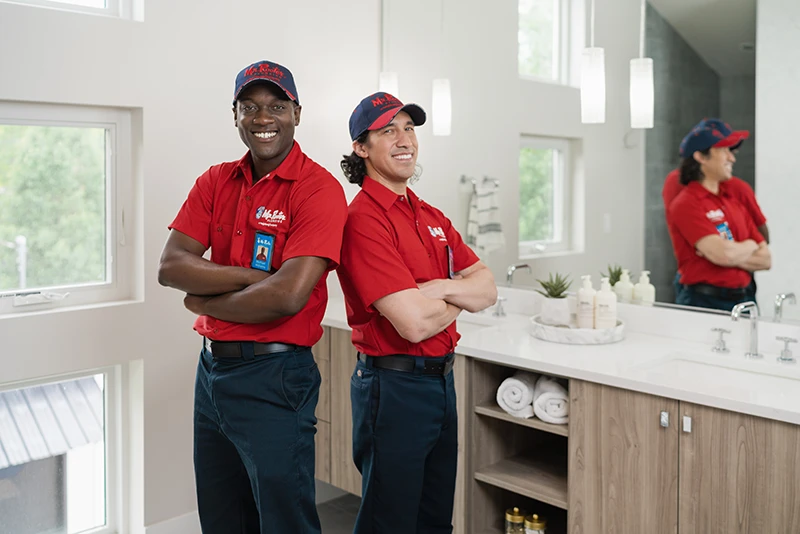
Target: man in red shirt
x=716, y=240
x=406, y=274
x=257, y=384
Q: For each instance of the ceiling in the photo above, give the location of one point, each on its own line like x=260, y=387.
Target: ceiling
x=716, y=29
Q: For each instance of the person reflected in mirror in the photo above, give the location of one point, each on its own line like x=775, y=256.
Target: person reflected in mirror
x=406, y=274
x=740, y=190
x=716, y=240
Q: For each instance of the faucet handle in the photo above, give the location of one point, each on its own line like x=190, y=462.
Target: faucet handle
x=498, y=309
x=719, y=344
x=786, y=354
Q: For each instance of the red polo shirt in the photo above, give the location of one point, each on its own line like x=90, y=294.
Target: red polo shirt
x=696, y=213
x=737, y=187
x=300, y=203
x=390, y=244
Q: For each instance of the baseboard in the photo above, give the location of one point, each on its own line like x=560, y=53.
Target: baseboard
x=183, y=524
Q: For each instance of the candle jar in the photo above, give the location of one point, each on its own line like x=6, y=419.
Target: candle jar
x=535, y=525
x=515, y=521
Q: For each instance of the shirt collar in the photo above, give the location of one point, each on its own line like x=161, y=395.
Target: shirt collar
x=289, y=168
x=381, y=194
x=696, y=189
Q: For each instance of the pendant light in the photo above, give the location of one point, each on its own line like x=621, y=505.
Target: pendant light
x=593, y=81
x=442, y=107
x=642, y=84
x=388, y=81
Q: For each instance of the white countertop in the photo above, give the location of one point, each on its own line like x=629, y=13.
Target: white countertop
x=642, y=362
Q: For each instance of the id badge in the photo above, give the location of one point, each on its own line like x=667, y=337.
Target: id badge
x=725, y=231
x=262, y=251
x=450, y=271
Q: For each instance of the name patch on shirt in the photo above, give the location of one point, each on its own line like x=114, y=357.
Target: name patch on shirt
x=438, y=232
x=268, y=217
x=716, y=215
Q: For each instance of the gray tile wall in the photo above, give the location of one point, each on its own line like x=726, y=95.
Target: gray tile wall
x=686, y=91
x=738, y=108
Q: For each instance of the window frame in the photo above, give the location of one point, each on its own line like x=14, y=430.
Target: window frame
x=115, y=408
x=561, y=39
x=118, y=205
x=563, y=188
x=115, y=8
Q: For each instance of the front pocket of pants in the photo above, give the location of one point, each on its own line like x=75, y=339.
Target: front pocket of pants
x=300, y=385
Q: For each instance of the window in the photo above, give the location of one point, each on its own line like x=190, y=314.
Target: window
x=544, y=200
x=65, y=189
x=112, y=8
x=57, y=456
x=543, y=39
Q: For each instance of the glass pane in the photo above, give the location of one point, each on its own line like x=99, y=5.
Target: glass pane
x=537, y=44
x=52, y=206
x=536, y=201
x=52, y=457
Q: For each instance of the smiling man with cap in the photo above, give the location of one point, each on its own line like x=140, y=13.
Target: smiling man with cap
x=274, y=222
x=406, y=274
x=716, y=241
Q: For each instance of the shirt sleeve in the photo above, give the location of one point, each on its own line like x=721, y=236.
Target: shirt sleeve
x=747, y=198
x=194, y=217
x=463, y=256
x=690, y=220
x=317, y=221
x=752, y=231
x=672, y=188
x=372, y=261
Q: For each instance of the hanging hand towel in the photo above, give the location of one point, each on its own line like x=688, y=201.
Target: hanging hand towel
x=484, y=230
x=515, y=395
x=551, y=401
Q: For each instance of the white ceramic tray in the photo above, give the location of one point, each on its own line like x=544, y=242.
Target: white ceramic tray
x=576, y=336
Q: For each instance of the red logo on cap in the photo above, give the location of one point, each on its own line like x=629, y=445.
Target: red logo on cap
x=385, y=100
x=264, y=69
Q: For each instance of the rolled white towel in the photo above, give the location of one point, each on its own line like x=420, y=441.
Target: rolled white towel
x=551, y=401
x=515, y=395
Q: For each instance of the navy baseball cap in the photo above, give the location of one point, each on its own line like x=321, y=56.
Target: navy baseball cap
x=377, y=110
x=711, y=133
x=266, y=71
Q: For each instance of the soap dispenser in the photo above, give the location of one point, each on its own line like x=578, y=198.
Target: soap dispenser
x=624, y=287
x=644, y=292
x=586, y=302
x=605, y=315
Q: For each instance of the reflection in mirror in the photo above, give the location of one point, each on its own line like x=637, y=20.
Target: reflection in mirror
x=702, y=216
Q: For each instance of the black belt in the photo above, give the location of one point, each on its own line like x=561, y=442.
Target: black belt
x=407, y=364
x=725, y=293
x=235, y=349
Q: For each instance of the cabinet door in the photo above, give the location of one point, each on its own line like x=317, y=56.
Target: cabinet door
x=738, y=474
x=344, y=474
x=623, y=465
x=462, y=405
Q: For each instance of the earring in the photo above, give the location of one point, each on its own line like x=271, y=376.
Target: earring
x=417, y=174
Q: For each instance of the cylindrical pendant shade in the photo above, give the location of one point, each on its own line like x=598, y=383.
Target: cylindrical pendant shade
x=593, y=86
x=642, y=91
x=388, y=82
x=442, y=107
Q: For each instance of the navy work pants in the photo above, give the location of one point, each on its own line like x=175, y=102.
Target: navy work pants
x=405, y=444
x=254, y=429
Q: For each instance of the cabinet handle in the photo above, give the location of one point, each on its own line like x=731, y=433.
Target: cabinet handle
x=665, y=419
x=687, y=424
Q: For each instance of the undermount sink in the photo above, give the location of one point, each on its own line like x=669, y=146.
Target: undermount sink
x=691, y=368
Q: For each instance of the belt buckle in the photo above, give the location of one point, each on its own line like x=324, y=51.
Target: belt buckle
x=208, y=345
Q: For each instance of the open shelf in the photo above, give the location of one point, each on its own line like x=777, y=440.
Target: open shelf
x=491, y=409
x=537, y=478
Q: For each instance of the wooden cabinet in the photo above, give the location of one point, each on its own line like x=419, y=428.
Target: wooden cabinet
x=738, y=474
x=344, y=474
x=623, y=465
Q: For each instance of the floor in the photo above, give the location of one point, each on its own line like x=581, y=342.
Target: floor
x=339, y=515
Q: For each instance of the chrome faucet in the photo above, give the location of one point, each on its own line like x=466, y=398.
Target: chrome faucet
x=513, y=268
x=779, y=299
x=752, y=308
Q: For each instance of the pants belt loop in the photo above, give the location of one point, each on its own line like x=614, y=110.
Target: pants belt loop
x=248, y=352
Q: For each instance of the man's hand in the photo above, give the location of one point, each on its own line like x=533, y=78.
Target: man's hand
x=196, y=303
x=435, y=289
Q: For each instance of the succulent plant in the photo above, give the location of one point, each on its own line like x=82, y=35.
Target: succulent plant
x=555, y=288
x=614, y=273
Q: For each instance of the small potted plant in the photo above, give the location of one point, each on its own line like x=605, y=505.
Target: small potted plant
x=614, y=273
x=555, y=306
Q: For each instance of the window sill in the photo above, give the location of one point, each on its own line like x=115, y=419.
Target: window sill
x=61, y=309
x=550, y=254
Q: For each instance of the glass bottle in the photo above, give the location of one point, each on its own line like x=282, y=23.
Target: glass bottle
x=515, y=521
x=534, y=525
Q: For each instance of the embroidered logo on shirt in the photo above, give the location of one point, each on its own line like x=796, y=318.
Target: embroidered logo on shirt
x=438, y=232
x=715, y=215
x=267, y=217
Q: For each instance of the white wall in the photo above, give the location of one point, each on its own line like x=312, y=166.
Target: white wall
x=178, y=67
x=777, y=113
x=492, y=107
